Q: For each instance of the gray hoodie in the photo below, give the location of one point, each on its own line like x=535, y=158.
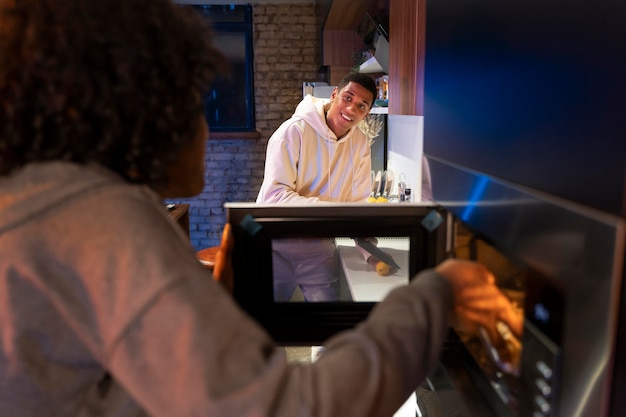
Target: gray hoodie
x=105, y=311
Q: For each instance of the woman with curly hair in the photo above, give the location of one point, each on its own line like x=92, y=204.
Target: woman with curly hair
x=103, y=82
x=104, y=308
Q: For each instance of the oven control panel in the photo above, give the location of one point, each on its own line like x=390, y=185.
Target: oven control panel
x=539, y=374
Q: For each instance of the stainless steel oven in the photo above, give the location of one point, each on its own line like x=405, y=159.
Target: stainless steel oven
x=562, y=264
x=524, y=134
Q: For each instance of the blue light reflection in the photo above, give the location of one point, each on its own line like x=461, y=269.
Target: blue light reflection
x=478, y=191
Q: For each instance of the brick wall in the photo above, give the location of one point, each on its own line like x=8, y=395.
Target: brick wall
x=286, y=52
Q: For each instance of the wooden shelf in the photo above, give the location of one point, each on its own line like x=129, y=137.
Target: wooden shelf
x=407, y=20
x=340, y=38
x=346, y=14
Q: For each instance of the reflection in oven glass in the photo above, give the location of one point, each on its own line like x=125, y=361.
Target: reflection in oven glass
x=338, y=269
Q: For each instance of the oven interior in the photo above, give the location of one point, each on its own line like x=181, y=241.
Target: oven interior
x=477, y=377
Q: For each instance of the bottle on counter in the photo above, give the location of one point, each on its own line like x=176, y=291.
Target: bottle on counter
x=407, y=195
x=401, y=187
x=385, y=87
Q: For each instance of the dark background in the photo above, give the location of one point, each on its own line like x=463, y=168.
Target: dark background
x=532, y=92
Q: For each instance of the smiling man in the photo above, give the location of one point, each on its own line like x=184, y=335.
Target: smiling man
x=319, y=154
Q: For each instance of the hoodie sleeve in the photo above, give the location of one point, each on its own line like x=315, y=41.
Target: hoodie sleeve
x=281, y=166
x=211, y=359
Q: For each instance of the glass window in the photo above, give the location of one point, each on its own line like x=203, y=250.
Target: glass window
x=229, y=106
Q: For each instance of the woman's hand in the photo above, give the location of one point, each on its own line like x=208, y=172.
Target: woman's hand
x=223, y=269
x=477, y=300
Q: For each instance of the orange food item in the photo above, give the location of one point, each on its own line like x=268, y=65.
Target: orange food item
x=383, y=268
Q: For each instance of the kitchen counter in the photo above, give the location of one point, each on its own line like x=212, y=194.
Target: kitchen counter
x=366, y=285
x=363, y=281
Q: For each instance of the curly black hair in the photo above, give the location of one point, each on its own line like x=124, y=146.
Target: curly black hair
x=363, y=80
x=115, y=82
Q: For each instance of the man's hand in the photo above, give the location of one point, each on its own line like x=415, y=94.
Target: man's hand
x=223, y=270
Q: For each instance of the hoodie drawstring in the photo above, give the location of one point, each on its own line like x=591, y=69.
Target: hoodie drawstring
x=352, y=166
x=330, y=184
x=330, y=187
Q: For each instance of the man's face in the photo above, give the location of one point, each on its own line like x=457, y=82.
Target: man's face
x=348, y=107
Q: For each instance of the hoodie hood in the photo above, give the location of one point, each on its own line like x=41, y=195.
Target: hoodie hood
x=37, y=187
x=312, y=110
x=40, y=187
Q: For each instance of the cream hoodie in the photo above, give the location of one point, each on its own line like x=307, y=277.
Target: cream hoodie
x=306, y=162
